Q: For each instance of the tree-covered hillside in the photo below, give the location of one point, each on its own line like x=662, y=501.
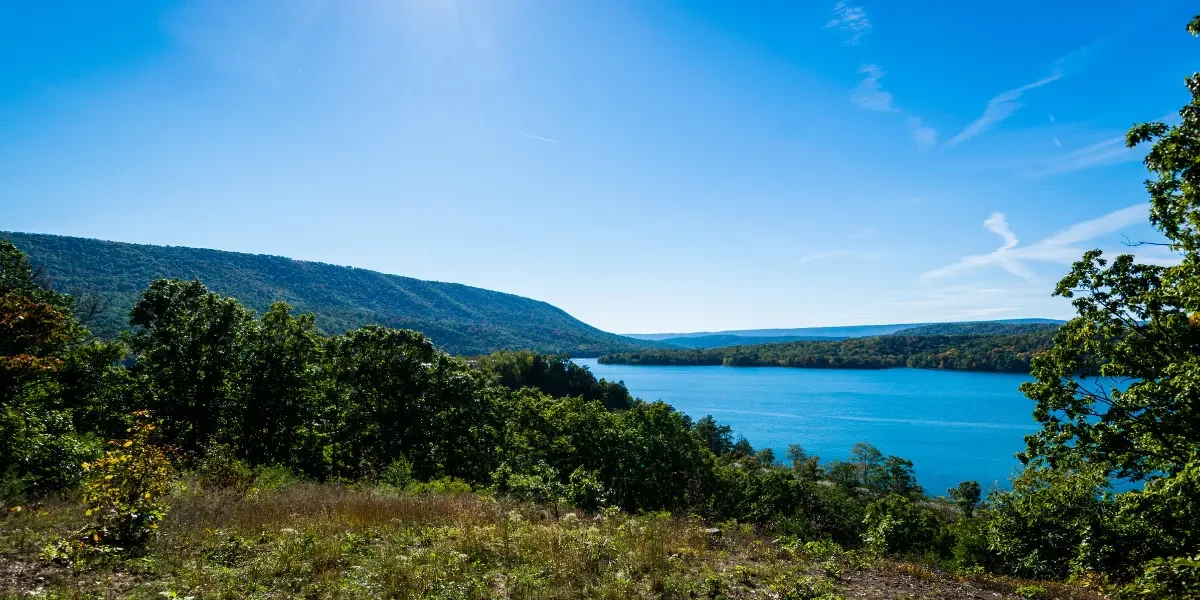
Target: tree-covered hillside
x=1008, y=353
x=722, y=340
x=981, y=328
x=970, y=328
x=458, y=318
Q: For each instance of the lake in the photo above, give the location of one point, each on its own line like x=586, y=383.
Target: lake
x=953, y=425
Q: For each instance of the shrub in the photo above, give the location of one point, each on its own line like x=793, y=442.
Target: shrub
x=274, y=478
x=539, y=485
x=1049, y=523
x=897, y=526
x=124, y=494
x=585, y=490
x=970, y=550
x=445, y=485
x=1032, y=592
x=398, y=474
x=1165, y=579
x=222, y=469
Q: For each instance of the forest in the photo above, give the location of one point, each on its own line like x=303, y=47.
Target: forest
x=1009, y=352
x=108, y=276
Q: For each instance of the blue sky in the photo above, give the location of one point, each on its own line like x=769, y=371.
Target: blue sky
x=646, y=166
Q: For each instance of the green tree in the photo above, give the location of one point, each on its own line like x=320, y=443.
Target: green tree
x=714, y=436
x=899, y=476
x=18, y=277
x=870, y=464
x=803, y=466
x=966, y=497
x=282, y=362
x=190, y=349
x=44, y=359
x=1120, y=390
x=558, y=376
x=898, y=526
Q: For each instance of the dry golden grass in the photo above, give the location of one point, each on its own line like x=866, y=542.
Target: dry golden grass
x=330, y=541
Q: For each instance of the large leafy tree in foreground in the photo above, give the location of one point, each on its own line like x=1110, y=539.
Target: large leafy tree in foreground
x=1119, y=393
x=1138, y=326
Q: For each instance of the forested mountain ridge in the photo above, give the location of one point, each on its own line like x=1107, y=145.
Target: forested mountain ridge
x=831, y=332
x=964, y=328
x=721, y=341
x=1006, y=353
x=460, y=319
x=981, y=328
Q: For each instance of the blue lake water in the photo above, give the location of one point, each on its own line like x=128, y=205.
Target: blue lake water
x=952, y=425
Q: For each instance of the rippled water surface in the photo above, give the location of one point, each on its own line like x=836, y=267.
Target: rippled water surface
x=952, y=425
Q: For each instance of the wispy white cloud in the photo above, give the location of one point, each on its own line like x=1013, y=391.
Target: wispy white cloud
x=1058, y=248
x=998, y=224
x=1081, y=232
x=969, y=300
x=1108, y=152
x=537, y=137
x=924, y=136
x=999, y=108
x=869, y=94
x=852, y=20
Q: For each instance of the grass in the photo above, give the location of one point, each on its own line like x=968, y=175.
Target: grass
x=330, y=541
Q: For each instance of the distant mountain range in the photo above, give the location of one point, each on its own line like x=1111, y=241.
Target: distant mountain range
x=746, y=337
x=722, y=340
x=458, y=318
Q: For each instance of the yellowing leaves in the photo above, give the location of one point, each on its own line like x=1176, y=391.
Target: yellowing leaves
x=123, y=495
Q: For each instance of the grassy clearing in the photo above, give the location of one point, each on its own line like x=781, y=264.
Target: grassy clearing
x=327, y=541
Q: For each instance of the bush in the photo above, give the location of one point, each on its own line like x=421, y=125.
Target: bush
x=398, y=474
x=445, y=485
x=1032, y=592
x=539, y=485
x=585, y=491
x=1050, y=523
x=274, y=478
x=41, y=451
x=125, y=496
x=970, y=548
x=897, y=526
x=1166, y=579
x=222, y=469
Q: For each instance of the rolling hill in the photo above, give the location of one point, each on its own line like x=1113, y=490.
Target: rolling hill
x=722, y=340
x=984, y=328
x=458, y=318
x=1008, y=352
x=824, y=333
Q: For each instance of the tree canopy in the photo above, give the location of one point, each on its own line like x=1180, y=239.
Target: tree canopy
x=1007, y=353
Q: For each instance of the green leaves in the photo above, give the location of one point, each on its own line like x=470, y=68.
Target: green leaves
x=1119, y=395
x=191, y=356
